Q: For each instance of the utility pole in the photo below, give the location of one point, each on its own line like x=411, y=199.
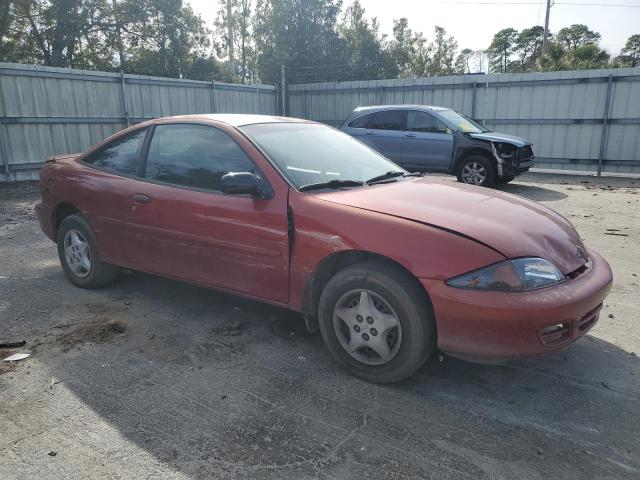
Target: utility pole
x=230, y=34
x=545, y=39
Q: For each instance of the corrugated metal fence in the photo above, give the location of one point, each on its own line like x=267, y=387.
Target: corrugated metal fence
x=46, y=111
x=577, y=120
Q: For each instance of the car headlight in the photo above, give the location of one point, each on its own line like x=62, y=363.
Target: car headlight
x=514, y=275
x=505, y=150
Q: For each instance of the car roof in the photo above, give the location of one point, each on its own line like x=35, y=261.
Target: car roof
x=232, y=119
x=373, y=108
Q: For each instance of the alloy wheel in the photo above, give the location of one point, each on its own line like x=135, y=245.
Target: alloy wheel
x=474, y=173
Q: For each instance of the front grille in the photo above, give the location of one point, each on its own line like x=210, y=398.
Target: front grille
x=556, y=334
x=525, y=154
x=589, y=320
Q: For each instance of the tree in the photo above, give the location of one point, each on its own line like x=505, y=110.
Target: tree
x=463, y=61
x=576, y=36
x=364, y=51
x=479, y=60
x=528, y=47
x=554, y=58
x=501, y=49
x=588, y=56
x=410, y=51
x=300, y=34
x=242, y=36
x=444, y=51
x=630, y=54
x=166, y=38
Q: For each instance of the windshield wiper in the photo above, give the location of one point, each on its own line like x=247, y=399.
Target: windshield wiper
x=331, y=184
x=392, y=174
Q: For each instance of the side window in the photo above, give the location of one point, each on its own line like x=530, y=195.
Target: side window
x=387, y=120
x=194, y=156
x=362, y=122
x=423, y=122
x=120, y=155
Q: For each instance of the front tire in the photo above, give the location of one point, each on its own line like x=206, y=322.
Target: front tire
x=377, y=322
x=79, y=254
x=476, y=170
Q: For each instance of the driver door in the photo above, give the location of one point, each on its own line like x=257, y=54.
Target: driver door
x=427, y=143
x=182, y=226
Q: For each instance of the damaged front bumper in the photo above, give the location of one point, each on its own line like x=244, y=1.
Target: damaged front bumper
x=521, y=161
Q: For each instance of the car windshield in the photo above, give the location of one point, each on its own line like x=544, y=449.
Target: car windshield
x=461, y=122
x=309, y=154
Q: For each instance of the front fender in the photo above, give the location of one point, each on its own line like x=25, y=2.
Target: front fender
x=322, y=228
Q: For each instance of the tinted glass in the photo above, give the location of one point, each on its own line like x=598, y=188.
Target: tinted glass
x=310, y=153
x=387, y=120
x=362, y=121
x=423, y=122
x=194, y=156
x=120, y=155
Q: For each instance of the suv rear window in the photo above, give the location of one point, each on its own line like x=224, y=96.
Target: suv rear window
x=385, y=120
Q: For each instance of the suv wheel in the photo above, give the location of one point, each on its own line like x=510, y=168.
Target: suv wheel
x=377, y=322
x=476, y=170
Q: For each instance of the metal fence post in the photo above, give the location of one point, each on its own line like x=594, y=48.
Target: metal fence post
x=473, y=101
x=124, y=97
x=213, y=96
x=605, y=125
x=381, y=102
x=304, y=103
x=283, y=93
x=257, y=99
x=4, y=160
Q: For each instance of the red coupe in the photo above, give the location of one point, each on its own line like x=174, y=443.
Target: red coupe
x=386, y=264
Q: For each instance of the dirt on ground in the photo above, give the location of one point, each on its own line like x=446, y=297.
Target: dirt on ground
x=151, y=378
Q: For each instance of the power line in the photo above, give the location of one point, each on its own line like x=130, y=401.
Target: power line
x=623, y=5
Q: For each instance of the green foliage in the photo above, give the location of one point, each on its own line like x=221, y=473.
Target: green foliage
x=444, y=52
x=298, y=34
x=365, y=53
x=528, y=47
x=317, y=40
x=501, y=49
x=463, y=61
x=630, y=54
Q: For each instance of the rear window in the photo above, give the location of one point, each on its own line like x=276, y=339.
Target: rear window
x=385, y=120
x=362, y=121
x=120, y=155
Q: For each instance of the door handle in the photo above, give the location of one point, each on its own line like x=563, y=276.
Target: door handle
x=141, y=198
x=409, y=135
x=369, y=133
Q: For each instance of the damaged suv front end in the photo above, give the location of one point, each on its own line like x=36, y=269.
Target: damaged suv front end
x=509, y=155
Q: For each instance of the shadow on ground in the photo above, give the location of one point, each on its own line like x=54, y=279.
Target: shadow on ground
x=532, y=192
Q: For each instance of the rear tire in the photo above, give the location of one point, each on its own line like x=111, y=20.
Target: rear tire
x=79, y=254
x=394, y=336
x=476, y=170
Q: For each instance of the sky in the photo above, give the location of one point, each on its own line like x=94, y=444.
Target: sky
x=474, y=22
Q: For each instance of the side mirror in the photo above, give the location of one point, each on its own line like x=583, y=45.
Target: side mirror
x=241, y=183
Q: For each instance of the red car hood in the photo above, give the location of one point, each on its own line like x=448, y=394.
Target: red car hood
x=512, y=225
